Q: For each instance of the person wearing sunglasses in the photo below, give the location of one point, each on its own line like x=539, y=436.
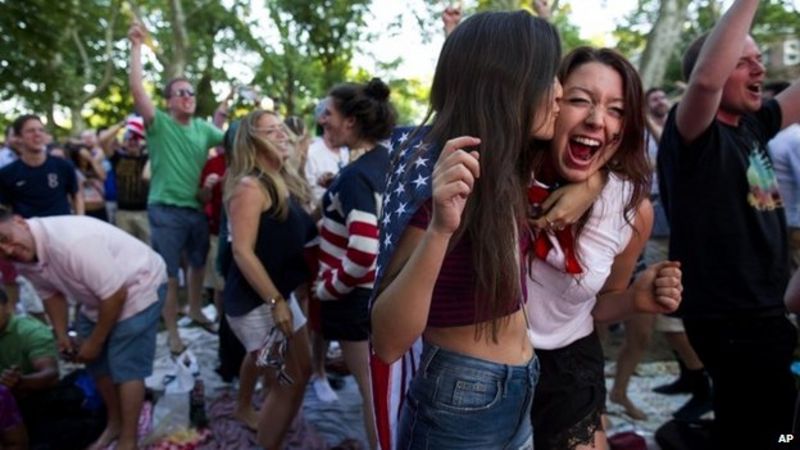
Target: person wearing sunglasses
x=178, y=143
x=269, y=231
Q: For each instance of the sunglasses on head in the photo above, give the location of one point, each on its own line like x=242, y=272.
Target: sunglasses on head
x=183, y=93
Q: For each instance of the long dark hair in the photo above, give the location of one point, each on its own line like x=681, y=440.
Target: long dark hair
x=493, y=79
x=630, y=162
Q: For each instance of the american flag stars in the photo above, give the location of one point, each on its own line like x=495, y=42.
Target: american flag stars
x=407, y=187
x=400, y=169
x=401, y=209
x=387, y=240
x=336, y=204
x=420, y=181
x=421, y=162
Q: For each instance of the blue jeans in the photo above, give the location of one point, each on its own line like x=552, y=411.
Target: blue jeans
x=460, y=402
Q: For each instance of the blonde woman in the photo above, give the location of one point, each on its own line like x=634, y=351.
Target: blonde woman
x=269, y=231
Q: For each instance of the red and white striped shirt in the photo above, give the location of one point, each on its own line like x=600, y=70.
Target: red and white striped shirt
x=349, y=236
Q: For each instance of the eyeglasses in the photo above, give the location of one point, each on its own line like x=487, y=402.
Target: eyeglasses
x=183, y=93
x=273, y=355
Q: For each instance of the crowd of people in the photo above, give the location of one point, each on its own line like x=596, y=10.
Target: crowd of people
x=467, y=267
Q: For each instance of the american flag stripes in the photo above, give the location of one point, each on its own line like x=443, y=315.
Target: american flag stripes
x=408, y=186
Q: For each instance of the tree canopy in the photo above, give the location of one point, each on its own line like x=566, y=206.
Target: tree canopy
x=69, y=59
x=637, y=35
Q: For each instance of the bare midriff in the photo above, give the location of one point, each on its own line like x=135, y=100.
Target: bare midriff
x=512, y=347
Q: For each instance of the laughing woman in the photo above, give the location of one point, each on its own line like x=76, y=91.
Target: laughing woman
x=581, y=273
x=357, y=116
x=269, y=230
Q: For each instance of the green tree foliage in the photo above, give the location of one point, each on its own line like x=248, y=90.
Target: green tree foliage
x=328, y=31
x=57, y=53
x=69, y=59
x=775, y=20
x=317, y=40
x=560, y=12
x=187, y=35
x=570, y=33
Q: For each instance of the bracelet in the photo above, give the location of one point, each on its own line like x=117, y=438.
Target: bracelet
x=272, y=301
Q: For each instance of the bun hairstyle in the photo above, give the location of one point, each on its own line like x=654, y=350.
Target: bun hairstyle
x=377, y=89
x=369, y=105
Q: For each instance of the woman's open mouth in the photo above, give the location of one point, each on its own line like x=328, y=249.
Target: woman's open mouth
x=581, y=151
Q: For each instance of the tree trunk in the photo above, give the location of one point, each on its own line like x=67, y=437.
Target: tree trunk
x=51, y=115
x=180, y=41
x=289, y=94
x=661, y=41
x=78, y=124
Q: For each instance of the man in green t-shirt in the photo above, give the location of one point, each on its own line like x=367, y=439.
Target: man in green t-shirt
x=178, y=144
x=28, y=356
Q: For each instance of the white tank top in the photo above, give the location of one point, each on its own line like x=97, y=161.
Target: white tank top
x=560, y=304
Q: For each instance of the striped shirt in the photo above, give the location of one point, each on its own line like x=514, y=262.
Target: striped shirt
x=454, y=301
x=349, y=236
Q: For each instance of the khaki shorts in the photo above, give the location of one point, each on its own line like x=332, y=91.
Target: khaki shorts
x=668, y=324
x=135, y=223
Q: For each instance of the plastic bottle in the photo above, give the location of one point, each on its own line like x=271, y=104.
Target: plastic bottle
x=197, y=405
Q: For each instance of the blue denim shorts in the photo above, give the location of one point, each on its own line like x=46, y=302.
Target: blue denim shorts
x=175, y=231
x=460, y=402
x=130, y=348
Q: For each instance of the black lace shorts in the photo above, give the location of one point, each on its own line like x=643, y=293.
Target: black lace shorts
x=570, y=396
x=346, y=319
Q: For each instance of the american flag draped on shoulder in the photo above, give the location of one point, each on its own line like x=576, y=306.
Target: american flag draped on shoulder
x=408, y=186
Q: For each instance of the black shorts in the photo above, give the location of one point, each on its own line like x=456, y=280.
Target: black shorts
x=347, y=319
x=570, y=397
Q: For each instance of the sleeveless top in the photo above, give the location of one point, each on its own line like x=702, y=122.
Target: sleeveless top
x=454, y=301
x=560, y=304
x=280, y=248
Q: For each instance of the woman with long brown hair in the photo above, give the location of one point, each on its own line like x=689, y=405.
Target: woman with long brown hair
x=269, y=231
x=455, y=276
x=581, y=273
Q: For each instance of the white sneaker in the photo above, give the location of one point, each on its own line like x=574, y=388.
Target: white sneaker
x=323, y=390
